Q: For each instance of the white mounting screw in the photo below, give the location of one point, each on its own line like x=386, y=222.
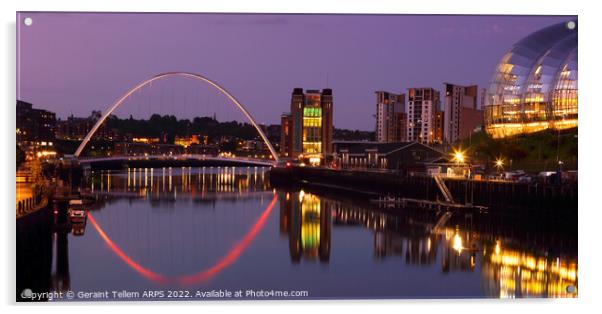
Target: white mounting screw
x=570, y=25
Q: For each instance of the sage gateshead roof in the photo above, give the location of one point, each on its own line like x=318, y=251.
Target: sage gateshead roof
x=534, y=86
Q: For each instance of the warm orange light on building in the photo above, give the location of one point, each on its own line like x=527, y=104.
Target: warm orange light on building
x=186, y=140
x=145, y=140
x=535, y=91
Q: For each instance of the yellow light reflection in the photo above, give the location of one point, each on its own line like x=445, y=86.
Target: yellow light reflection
x=457, y=243
x=531, y=275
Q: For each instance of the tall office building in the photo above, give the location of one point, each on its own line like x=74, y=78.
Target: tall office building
x=307, y=129
x=423, y=106
x=390, y=117
x=462, y=115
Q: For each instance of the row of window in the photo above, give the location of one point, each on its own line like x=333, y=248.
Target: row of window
x=312, y=147
x=312, y=122
x=312, y=112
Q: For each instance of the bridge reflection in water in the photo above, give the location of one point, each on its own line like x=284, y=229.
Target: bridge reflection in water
x=194, y=182
x=198, y=184
x=215, y=228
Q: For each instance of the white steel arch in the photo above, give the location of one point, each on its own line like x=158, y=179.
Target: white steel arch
x=118, y=103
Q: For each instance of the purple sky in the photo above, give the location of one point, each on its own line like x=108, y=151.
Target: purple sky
x=78, y=62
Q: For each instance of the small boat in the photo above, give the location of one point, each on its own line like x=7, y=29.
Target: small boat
x=78, y=229
x=77, y=212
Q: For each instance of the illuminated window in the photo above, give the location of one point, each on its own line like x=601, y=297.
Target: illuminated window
x=531, y=91
x=312, y=122
x=312, y=147
x=312, y=112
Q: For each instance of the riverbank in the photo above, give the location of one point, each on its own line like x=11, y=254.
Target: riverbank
x=495, y=194
x=27, y=201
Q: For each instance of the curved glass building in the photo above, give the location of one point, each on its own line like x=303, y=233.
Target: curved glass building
x=534, y=86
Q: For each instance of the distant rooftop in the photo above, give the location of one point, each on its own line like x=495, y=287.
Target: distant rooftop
x=362, y=147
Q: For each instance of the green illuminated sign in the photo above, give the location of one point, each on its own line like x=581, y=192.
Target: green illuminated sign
x=312, y=112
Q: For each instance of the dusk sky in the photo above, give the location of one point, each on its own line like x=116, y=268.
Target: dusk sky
x=73, y=63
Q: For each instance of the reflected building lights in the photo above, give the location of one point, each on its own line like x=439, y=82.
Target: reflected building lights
x=307, y=220
x=508, y=273
x=183, y=180
x=521, y=274
x=457, y=243
x=169, y=179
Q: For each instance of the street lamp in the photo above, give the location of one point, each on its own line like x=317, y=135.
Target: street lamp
x=459, y=156
x=499, y=163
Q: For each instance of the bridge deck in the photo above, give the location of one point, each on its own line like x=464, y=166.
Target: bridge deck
x=258, y=162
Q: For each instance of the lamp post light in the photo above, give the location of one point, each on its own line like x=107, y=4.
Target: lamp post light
x=459, y=156
x=499, y=164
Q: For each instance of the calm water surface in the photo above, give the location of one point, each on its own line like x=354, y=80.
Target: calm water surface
x=200, y=229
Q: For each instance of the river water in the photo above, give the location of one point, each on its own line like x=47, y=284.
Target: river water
x=201, y=233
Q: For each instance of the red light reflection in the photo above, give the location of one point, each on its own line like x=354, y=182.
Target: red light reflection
x=202, y=276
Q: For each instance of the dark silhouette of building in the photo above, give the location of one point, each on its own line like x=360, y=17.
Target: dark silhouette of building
x=141, y=149
x=273, y=132
x=401, y=126
x=392, y=156
x=76, y=128
x=439, y=127
x=35, y=128
x=286, y=135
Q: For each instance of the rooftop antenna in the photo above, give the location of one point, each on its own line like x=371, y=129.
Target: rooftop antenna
x=327, y=85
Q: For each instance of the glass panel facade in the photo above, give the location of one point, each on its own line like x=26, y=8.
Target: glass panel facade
x=534, y=86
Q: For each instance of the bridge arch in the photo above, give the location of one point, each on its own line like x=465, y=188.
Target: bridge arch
x=199, y=77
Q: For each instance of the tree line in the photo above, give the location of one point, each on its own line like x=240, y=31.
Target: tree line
x=168, y=126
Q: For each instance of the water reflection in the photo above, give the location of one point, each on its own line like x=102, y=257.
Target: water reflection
x=521, y=274
x=42, y=255
x=306, y=220
x=199, y=185
x=506, y=272
x=61, y=278
x=195, y=182
x=215, y=228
